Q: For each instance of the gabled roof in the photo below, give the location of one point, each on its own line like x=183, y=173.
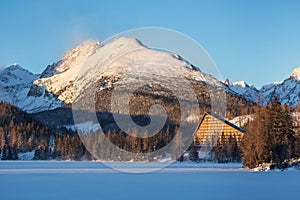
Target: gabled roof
x=222, y=120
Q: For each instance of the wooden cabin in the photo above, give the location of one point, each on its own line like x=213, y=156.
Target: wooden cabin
x=213, y=126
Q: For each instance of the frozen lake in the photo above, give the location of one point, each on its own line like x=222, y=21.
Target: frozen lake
x=90, y=180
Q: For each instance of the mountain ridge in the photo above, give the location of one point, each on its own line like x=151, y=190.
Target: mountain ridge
x=287, y=90
x=53, y=88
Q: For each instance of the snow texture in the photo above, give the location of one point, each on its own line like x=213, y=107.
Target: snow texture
x=85, y=127
x=287, y=90
x=15, y=86
x=241, y=121
x=244, y=119
x=243, y=89
x=296, y=73
x=54, y=87
x=88, y=180
x=26, y=156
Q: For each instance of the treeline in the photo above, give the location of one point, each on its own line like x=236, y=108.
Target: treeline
x=20, y=133
x=224, y=151
x=70, y=147
x=120, y=146
x=271, y=136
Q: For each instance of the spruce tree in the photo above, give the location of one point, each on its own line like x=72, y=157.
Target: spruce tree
x=254, y=141
x=280, y=132
x=270, y=137
x=193, y=153
x=4, y=153
x=221, y=149
x=9, y=153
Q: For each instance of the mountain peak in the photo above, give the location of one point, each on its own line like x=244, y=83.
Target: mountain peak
x=14, y=68
x=127, y=40
x=240, y=83
x=14, y=75
x=84, y=48
x=296, y=73
x=227, y=82
x=71, y=59
x=243, y=89
x=16, y=65
x=57, y=76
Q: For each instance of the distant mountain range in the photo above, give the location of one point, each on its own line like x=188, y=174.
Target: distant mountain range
x=287, y=90
x=54, y=87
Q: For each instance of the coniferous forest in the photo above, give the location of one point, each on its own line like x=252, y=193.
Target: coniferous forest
x=271, y=138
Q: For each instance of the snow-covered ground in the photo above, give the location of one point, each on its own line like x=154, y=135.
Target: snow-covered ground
x=85, y=127
x=241, y=121
x=92, y=180
x=26, y=156
x=244, y=119
x=36, y=167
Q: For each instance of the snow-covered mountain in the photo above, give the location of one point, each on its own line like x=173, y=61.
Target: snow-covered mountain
x=15, y=87
x=49, y=90
x=54, y=87
x=13, y=80
x=16, y=75
x=58, y=78
x=287, y=90
x=243, y=89
x=296, y=73
x=121, y=55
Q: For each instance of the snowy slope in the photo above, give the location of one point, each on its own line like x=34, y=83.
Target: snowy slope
x=15, y=75
x=116, y=58
x=296, y=73
x=58, y=78
x=241, y=121
x=287, y=90
x=123, y=54
x=244, y=119
x=54, y=87
x=86, y=127
x=16, y=85
x=243, y=89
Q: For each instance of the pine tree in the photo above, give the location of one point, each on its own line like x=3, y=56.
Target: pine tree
x=178, y=146
x=4, y=153
x=221, y=149
x=280, y=132
x=14, y=153
x=193, y=153
x=9, y=153
x=290, y=134
x=236, y=151
x=233, y=150
x=180, y=159
x=254, y=141
x=270, y=136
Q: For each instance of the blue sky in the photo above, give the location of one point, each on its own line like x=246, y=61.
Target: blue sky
x=255, y=41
